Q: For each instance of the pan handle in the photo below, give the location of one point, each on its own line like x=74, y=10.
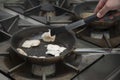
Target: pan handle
x=89, y=50
x=97, y=51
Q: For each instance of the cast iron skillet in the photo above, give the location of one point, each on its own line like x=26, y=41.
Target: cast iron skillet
x=66, y=39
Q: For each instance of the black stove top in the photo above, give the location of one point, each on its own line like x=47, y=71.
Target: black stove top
x=108, y=68
x=74, y=67
x=14, y=67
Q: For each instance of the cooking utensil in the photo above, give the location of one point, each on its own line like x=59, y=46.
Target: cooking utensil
x=78, y=23
x=64, y=39
x=86, y=8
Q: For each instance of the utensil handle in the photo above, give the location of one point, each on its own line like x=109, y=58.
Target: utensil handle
x=75, y=25
x=82, y=22
x=95, y=18
x=91, y=19
x=87, y=20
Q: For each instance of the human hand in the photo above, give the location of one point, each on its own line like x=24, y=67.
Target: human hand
x=106, y=5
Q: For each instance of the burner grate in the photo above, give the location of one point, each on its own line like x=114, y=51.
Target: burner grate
x=59, y=15
x=110, y=37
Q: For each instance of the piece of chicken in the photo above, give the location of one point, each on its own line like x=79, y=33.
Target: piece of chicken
x=21, y=52
x=31, y=43
x=46, y=36
x=54, y=50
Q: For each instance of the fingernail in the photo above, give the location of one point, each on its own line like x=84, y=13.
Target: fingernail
x=99, y=15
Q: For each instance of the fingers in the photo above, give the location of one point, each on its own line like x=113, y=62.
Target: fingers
x=103, y=11
x=100, y=5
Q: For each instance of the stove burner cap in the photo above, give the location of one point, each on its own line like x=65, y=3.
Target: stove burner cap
x=47, y=7
x=40, y=70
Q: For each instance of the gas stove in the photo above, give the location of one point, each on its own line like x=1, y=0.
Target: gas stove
x=76, y=66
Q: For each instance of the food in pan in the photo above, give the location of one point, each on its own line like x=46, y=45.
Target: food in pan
x=21, y=51
x=46, y=36
x=54, y=50
x=85, y=14
x=34, y=56
x=37, y=56
x=54, y=53
x=31, y=43
x=42, y=57
x=61, y=49
x=53, y=47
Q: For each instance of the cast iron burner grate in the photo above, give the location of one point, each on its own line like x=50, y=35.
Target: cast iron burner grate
x=108, y=38
x=28, y=8
x=10, y=23
x=23, y=4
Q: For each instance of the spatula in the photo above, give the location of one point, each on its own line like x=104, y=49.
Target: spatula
x=79, y=23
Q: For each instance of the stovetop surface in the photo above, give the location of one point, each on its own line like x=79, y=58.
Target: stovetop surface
x=94, y=67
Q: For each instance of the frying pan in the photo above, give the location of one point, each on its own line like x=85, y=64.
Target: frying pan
x=66, y=39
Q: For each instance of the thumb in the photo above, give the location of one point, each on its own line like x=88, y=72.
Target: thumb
x=103, y=11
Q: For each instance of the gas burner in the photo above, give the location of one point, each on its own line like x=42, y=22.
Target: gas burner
x=16, y=68
x=40, y=70
x=45, y=12
x=103, y=38
x=59, y=16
